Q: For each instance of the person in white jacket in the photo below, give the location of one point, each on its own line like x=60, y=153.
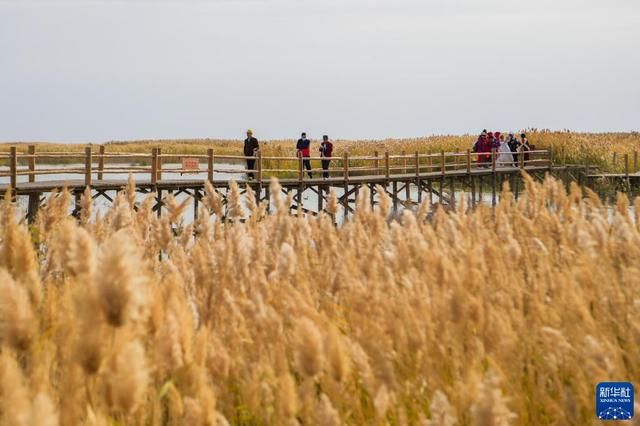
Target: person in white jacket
x=505, y=156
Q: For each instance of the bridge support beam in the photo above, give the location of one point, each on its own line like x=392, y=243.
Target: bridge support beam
x=33, y=206
x=472, y=183
x=395, y=196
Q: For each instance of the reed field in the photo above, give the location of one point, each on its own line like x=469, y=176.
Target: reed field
x=505, y=316
x=567, y=147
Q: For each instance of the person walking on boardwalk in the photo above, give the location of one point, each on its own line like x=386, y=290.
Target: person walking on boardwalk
x=482, y=146
x=303, y=148
x=251, y=147
x=505, y=157
x=497, y=137
x=326, y=151
x=513, y=146
x=524, y=147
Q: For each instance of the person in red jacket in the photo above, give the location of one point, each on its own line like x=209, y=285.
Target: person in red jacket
x=483, y=145
x=303, y=148
x=326, y=151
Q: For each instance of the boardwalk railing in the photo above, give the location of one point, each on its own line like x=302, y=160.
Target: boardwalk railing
x=98, y=165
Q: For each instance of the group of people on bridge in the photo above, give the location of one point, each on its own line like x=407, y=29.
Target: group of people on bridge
x=303, y=150
x=507, y=150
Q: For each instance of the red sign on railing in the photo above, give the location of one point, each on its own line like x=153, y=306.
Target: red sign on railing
x=190, y=164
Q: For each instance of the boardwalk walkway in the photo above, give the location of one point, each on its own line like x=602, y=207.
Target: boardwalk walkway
x=405, y=178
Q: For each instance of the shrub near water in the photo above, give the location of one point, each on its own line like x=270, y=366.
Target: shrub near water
x=486, y=317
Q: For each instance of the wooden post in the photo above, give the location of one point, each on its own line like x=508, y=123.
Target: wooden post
x=372, y=194
x=259, y=154
x=159, y=165
x=267, y=197
x=300, y=173
x=320, y=199
x=101, y=162
x=386, y=164
x=377, y=163
x=87, y=166
x=159, y=201
x=430, y=161
x=493, y=160
x=404, y=163
x=77, y=196
x=408, y=193
x=472, y=181
x=614, y=160
x=156, y=176
x=196, y=197
x=154, y=166
x=394, y=185
x=626, y=173
x=469, y=178
x=635, y=161
x=453, y=191
x=32, y=163
x=13, y=168
x=522, y=154
x=345, y=164
x=345, y=212
x=32, y=207
x=442, y=165
x=550, y=159
x=493, y=177
x=210, y=164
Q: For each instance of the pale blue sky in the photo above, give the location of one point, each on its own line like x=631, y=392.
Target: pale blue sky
x=97, y=70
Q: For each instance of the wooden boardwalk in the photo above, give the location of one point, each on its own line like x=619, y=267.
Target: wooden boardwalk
x=407, y=178
x=626, y=180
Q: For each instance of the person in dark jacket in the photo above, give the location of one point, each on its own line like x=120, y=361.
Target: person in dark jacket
x=303, y=148
x=525, y=147
x=251, y=147
x=326, y=151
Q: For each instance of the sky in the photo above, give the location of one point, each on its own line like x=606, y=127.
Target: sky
x=100, y=70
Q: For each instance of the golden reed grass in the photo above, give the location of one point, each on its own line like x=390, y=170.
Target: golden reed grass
x=486, y=317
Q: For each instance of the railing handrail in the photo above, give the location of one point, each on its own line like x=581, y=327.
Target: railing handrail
x=382, y=165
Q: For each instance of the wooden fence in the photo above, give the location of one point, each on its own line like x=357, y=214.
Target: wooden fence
x=99, y=164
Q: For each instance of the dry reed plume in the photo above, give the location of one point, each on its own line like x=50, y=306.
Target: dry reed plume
x=486, y=317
